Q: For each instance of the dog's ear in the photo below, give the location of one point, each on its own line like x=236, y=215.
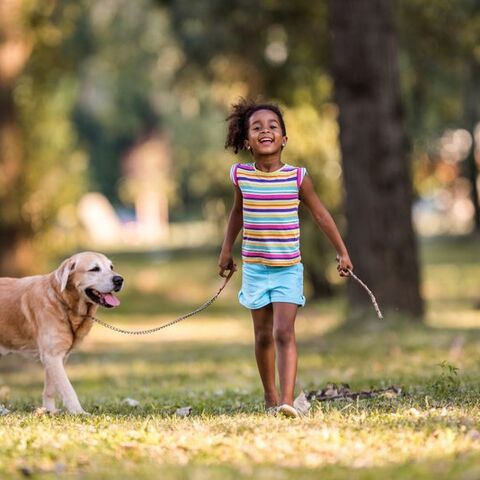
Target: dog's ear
x=63, y=272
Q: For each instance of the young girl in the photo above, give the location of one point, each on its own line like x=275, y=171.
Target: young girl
x=267, y=195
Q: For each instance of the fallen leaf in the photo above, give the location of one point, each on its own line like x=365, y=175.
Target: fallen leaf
x=474, y=434
x=333, y=392
x=301, y=404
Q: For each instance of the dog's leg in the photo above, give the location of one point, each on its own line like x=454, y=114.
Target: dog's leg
x=49, y=393
x=56, y=372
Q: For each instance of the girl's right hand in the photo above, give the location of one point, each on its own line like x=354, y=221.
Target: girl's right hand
x=344, y=266
x=225, y=263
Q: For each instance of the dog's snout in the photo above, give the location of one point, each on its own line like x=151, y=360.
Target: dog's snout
x=117, y=281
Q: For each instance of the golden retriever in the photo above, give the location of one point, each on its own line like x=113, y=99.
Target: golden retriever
x=46, y=316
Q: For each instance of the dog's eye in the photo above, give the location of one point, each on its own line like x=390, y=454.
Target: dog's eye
x=111, y=267
x=95, y=269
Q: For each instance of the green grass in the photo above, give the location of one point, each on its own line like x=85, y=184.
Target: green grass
x=432, y=430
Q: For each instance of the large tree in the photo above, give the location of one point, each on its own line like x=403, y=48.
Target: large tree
x=375, y=153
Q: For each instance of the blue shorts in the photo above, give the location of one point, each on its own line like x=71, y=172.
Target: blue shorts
x=262, y=284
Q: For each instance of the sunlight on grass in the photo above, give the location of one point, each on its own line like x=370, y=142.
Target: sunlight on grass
x=432, y=430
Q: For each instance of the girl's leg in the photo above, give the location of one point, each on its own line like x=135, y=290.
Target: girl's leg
x=284, y=315
x=265, y=352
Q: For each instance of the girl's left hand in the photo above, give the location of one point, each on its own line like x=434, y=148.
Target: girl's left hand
x=344, y=265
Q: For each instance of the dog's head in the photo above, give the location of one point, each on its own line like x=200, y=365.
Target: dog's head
x=92, y=276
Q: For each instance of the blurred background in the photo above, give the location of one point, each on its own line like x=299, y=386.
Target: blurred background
x=112, y=130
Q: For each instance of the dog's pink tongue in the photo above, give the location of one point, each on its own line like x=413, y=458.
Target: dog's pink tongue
x=111, y=300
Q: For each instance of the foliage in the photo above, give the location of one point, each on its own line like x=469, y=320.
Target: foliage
x=104, y=74
x=124, y=83
x=54, y=168
x=441, y=77
x=448, y=381
x=439, y=44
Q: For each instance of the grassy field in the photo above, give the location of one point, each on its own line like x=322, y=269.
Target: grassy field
x=431, y=430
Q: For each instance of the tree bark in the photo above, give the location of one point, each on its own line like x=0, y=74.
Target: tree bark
x=471, y=120
x=374, y=150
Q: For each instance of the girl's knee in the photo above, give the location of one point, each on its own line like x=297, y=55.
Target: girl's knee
x=263, y=338
x=284, y=334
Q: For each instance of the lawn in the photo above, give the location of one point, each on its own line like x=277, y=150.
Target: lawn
x=430, y=430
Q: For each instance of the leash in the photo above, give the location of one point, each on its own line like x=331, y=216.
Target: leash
x=372, y=296
x=173, y=322
x=204, y=306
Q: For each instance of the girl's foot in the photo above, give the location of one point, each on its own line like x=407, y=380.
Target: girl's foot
x=288, y=411
x=272, y=411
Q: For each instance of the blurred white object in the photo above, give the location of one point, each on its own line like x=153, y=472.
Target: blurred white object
x=131, y=402
x=183, y=412
x=99, y=219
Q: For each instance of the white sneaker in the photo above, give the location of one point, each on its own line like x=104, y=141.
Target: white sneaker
x=287, y=411
x=272, y=411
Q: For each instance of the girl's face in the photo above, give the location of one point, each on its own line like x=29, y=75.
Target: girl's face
x=265, y=136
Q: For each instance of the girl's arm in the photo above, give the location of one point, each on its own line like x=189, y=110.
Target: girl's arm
x=235, y=224
x=325, y=221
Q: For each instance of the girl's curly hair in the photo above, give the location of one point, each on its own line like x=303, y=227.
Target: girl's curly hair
x=238, y=121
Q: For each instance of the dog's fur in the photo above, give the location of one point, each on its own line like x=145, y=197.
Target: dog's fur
x=45, y=317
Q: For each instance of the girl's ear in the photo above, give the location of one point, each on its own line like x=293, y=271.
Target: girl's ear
x=63, y=272
x=247, y=145
x=284, y=141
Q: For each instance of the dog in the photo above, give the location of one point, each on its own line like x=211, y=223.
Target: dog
x=46, y=316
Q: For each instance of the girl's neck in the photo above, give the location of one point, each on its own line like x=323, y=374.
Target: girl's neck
x=268, y=164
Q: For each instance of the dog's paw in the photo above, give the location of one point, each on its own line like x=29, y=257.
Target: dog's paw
x=46, y=411
x=76, y=411
x=81, y=412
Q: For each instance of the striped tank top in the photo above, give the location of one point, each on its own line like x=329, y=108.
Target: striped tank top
x=271, y=229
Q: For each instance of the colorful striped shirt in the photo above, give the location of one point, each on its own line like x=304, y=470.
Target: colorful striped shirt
x=271, y=229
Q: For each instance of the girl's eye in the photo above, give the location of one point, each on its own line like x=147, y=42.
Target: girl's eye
x=95, y=269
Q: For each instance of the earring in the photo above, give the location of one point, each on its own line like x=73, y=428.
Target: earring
x=249, y=147
x=283, y=144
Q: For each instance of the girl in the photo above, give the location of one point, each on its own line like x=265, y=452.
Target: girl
x=267, y=195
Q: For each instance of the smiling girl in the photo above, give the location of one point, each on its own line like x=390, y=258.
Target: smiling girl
x=267, y=196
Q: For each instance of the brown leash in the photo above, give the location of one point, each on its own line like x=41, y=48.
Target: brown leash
x=173, y=322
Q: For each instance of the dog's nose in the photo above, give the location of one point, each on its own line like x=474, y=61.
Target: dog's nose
x=117, y=281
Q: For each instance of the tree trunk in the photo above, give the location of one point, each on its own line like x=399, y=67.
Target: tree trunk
x=374, y=149
x=471, y=120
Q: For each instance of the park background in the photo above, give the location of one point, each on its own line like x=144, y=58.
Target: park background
x=111, y=138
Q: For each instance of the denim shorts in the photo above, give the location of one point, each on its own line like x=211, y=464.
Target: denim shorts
x=262, y=284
